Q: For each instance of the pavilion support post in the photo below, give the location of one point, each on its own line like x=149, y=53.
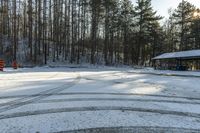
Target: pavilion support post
x=154, y=64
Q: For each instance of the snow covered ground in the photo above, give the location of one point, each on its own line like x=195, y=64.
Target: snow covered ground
x=99, y=99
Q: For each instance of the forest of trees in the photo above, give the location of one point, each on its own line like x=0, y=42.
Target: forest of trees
x=106, y=32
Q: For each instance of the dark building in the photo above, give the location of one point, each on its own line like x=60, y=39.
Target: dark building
x=184, y=60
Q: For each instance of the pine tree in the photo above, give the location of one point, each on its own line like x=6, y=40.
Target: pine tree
x=196, y=29
x=126, y=22
x=15, y=30
x=95, y=17
x=145, y=16
x=183, y=15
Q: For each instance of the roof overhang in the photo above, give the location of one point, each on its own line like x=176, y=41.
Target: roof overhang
x=184, y=55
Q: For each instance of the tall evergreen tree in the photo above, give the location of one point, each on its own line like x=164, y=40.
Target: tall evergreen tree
x=145, y=16
x=183, y=15
x=126, y=22
x=196, y=29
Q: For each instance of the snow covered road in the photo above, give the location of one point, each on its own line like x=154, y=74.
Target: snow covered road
x=92, y=100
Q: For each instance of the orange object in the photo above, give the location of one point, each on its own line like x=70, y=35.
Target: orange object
x=14, y=65
x=1, y=65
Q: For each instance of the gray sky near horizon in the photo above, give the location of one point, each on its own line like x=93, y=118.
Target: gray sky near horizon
x=162, y=6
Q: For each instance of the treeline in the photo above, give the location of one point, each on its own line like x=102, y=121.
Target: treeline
x=94, y=31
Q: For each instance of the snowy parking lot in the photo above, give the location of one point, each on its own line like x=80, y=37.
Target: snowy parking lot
x=98, y=99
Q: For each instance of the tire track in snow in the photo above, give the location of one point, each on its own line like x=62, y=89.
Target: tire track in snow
x=96, y=108
x=102, y=93
x=115, y=99
x=25, y=97
x=133, y=129
x=39, y=94
x=28, y=100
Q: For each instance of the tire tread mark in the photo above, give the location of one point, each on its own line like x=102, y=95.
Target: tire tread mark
x=96, y=108
x=102, y=93
x=115, y=99
x=41, y=96
x=26, y=97
x=131, y=129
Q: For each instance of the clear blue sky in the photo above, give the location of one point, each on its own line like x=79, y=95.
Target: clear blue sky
x=162, y=6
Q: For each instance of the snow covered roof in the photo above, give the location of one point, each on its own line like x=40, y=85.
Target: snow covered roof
x=179, y=55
